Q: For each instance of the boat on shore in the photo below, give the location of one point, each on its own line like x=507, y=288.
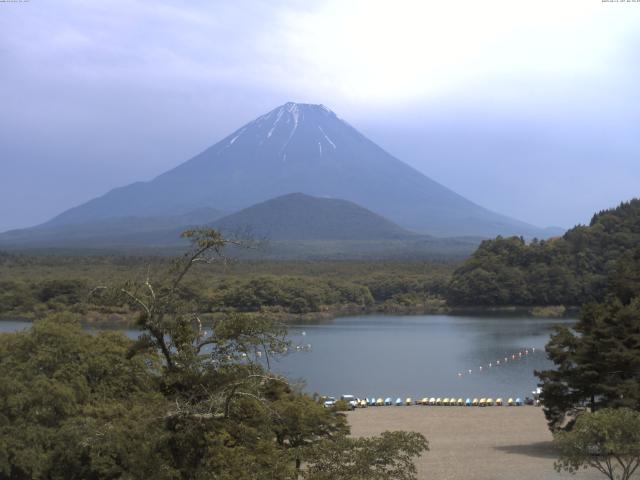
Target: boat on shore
x=354, y=402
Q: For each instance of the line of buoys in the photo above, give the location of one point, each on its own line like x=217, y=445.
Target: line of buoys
x=514, y=356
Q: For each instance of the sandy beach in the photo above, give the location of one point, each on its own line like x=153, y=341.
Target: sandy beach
x=492, y=443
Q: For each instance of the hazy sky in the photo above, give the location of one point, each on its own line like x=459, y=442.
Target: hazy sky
x=530, y=108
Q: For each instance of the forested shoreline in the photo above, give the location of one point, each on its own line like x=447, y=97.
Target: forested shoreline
x=570, y=270
x=33, y=286
x=182, y=401
x=543, y=277
x=189, y=398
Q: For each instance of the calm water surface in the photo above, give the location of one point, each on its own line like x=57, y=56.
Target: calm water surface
x=421, y=356
x=417, y=356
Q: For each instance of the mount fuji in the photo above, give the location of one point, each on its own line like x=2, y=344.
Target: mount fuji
x=300, y=148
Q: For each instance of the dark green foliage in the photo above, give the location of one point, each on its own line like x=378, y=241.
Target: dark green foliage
x=72, y=405
x=297, y=216
x=388, y=287
x=32, y=286
x=571, y=270
x=300, y=422
x=296, y=295
x=626, y=280
x=598, y=361
x=185, y=401
x=65, y=291
x=608, y=440
x=17, y=295
x=388, y=456
x=53, y=294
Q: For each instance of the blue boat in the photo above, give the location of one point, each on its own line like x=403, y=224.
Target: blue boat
x=518, y=401
x=388, y=401
x=399, y=402
x=467, y=402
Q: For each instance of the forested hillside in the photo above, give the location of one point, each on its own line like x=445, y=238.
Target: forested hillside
x=302, y=217
x=569, y=270
x=33, y=286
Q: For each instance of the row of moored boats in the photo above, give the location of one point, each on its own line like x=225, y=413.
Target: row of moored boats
x=447, y=402
x=354, y=402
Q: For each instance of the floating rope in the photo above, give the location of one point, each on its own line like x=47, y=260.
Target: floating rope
x=513, y=357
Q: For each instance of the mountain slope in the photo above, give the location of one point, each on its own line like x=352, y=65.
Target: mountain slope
x=301, y=148
x=302, y=217
x=110, y=232
x=295, y=226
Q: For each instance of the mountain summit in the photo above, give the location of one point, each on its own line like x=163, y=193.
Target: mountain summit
x=303, y=148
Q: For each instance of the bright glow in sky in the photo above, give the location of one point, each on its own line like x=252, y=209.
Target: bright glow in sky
x=407, y=50
x=529, y=108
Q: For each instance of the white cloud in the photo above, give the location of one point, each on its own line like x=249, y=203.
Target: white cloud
x=378, y=51
x=129, y=88
x=357, y=51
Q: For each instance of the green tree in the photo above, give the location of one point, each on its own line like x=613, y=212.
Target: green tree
x=228, y=414
x=607, y=440
x=570, y=270
x=300, y=422
x=598, y=360
x=191, y=398
x=72, y=405
x=390, y=455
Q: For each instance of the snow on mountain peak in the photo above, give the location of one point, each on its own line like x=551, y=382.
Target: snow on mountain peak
x=279, y=127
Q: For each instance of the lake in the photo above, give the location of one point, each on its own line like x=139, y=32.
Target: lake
x=417, y=355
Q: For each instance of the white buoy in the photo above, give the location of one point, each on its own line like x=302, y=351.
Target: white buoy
x=490, y=365
x=469, y=371
x=497, y=362
x=304, y=333
x=480, y=367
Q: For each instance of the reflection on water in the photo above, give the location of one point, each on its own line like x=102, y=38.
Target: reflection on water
x=417, y=356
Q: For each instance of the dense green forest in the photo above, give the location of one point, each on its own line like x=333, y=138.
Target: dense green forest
x=181, y=402
x=597, y=360
x=570, y=270
x=33, y=286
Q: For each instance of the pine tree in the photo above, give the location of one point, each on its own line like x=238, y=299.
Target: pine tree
x=598, y=361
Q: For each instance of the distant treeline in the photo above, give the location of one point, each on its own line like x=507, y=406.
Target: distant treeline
x=570, y=270
x=34, y=286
